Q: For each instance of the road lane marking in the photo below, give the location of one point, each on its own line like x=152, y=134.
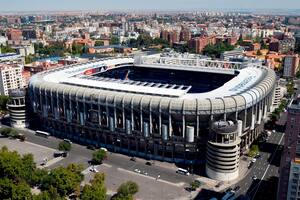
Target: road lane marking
x=258, y=185
x=180, y=184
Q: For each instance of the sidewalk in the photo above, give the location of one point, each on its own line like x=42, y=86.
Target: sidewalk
x=243, y=171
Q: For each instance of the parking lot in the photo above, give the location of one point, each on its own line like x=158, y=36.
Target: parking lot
x=39, y=152
x=150, y=188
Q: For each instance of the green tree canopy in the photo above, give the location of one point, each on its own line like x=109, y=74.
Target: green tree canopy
x=99, y=156
x=64, y=146
x=56, y=49
x=216, y=50
x=114, y=40
x=8, y=132
x=10, y=190
x=253, y=150
x=99, y=43
x=126, y=191
x=7, y=49
x=65, y=180
x=145, y=40
x=11, y=165
x=96, y=190
x=50, y=194
x=290, y=88
x=77, y=49
x=3, y=101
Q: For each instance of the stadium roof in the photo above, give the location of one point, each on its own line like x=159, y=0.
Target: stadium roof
x=247, y=78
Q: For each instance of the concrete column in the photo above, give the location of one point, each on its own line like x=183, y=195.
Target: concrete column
x=197, y=125
x=64, y=106
x=159, y=120
x=141, y=119
x=99, y=110
x=123, y=114
x=183, y=126
x=132, y=120
x=77, y=109
x=253, y=118
x=265, y=110
x=259, y=113
x=71, y=109
x=240, y=127
x=115, y=115
x=150, y=119
x=170, y=123
x=245, y=118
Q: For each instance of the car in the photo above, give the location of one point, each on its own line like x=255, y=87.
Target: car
x=57, y=154
x=64, y=154
x=237, y=188
x=250, y=165
x=257, y=156
x=189, y=189
x=91, y=147
x=68, y=141
x=137, y=171
x=253, y=160
x=21, y=137
x=229, y=190
x=60, y=154
x=93, y=169
x=148, y=163
x=254, y=177
x=104, y=149
x=145, y=173
x=133, y=159
x=219, y=184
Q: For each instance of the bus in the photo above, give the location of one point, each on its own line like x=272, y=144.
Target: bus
x=182, y=171
x=42, y=134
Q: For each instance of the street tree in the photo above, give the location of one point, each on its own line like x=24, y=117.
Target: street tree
x=65, y=180
x=96, y=190
x=64, y=146
x=99, y=156
x=126, y=191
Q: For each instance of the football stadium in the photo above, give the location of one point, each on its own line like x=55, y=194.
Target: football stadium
x=176, y=108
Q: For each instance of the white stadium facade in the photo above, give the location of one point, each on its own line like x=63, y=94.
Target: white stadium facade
x=180, y=109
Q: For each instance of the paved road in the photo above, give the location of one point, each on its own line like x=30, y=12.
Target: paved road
x=80, y=154
x=264, y=168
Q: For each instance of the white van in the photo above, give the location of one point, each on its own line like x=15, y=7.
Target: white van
x=183, y=171
x=104, y=149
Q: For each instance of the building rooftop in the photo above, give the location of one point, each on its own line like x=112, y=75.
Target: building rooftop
x=245, y=76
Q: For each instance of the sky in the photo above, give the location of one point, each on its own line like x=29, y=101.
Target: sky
x=70, y=5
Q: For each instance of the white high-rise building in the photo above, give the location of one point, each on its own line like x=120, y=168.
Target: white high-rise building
x=10, y=78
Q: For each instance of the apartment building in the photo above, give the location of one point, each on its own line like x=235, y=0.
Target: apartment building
x=289, y=181
x=10, y=78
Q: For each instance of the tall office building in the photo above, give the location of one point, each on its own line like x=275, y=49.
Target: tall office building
x=10, y=78
x=289, y=181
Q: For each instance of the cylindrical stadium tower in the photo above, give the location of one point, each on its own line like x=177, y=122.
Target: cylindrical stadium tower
x=223, y=151
x=17, y=108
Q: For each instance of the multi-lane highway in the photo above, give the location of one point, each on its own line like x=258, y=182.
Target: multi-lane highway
x=265, y=168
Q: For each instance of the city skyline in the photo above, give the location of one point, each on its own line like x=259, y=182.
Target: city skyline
x=75, y=5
